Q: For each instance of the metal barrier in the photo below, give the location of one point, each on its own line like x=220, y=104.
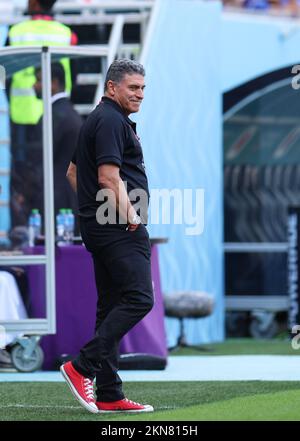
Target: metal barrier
x=14, y=59
x=259, y=301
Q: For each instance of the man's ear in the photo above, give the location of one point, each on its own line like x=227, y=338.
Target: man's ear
x=110, y=87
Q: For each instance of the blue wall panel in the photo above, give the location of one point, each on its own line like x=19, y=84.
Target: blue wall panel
x=180, y=126
x=194, y=53
x=252, y=46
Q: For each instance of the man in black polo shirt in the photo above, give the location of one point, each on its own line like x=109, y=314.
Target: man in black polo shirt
x=107, y=167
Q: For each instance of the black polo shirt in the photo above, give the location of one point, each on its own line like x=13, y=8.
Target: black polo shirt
x=107, y=136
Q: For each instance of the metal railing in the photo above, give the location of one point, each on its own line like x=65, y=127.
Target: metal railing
x=273, y=303
x=45, y=55
x=254, y=302
x=255, y=247
x=94, y=12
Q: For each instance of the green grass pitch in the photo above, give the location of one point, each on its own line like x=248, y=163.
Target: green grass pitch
x=173, y=401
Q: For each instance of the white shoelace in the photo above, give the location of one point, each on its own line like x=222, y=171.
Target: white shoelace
x=88, y=388
x=132, y=402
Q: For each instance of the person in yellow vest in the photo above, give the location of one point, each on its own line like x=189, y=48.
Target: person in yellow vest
x=25, y=108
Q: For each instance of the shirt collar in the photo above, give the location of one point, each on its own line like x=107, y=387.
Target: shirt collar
x=114, y=104
x=58, y=96
x=39, y=16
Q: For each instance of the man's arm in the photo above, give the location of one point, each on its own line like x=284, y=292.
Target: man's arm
x=71, y=175
x=109, y=177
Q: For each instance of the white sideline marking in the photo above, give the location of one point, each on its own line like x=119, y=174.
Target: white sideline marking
x=198, y=368
x=37, y=406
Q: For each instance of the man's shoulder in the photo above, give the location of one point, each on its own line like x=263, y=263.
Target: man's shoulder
x=63, y=102
x=23, y=25
x=100, y=118
x=107, y=114
x=64, y=110
x=60, y=25
x=19, y=26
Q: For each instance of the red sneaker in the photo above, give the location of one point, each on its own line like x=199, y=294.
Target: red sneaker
x=124, y=405
x=81, y=387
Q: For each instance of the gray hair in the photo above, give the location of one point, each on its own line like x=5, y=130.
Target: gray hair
x=119, y=68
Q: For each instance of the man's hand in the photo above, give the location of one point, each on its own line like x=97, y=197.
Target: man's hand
x=133, y=220
x=109, y=177
x=71, y=175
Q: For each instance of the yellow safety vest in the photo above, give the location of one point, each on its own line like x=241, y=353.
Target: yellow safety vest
x=25, y=107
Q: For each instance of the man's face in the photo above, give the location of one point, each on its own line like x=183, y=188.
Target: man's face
x=129, y=93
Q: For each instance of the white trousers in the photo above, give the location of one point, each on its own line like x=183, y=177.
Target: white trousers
x=11, y=305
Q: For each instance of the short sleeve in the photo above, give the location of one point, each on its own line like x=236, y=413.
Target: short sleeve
x=110, y=139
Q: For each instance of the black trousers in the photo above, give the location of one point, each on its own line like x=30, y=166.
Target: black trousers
x=122, y=265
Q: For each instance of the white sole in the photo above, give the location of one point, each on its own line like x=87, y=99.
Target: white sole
x=148, y=409
x=87, y=406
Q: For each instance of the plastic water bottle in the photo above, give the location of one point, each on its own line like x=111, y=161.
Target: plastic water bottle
x=72, y=224
x=34, y=226
x=60, y=226
x=69, y=226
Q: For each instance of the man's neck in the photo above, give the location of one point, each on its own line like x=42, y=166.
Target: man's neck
x=40, y=12
x=112, y=98
x=59, y=95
